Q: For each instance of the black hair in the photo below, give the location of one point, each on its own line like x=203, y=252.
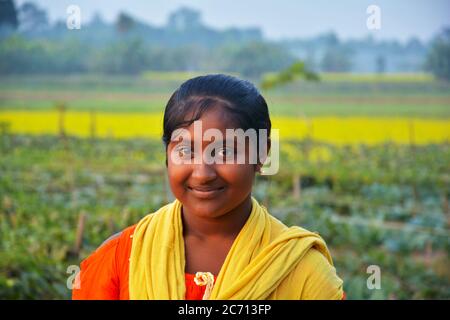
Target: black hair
x=240, y=97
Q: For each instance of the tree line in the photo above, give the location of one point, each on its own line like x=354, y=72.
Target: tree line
x=29, y=44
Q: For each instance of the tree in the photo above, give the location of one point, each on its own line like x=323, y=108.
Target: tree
x=295, y=71
x=256, y=58
x=438, y=58
x=336, y=59
x=380, y=64
x=32, y=18
x=184, y=19
x=124, y=22
x=97, y=21
x=8, y=15
x=124, y=57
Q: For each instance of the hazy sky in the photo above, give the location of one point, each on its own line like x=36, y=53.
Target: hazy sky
x=400, y=19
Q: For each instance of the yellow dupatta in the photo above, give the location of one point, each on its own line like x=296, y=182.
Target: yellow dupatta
x=262, y=255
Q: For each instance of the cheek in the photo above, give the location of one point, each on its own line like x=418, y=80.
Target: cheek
x=238, y=176
x=177, y=175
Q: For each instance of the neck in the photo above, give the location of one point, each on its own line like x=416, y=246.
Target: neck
x=226, y=226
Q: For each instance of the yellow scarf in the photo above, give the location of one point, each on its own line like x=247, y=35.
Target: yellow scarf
x=263, y=254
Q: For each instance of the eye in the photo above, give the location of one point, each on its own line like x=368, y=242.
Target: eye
x=225, y=152
x=183, y=151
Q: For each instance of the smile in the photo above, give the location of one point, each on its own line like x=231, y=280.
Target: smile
x=205, y=192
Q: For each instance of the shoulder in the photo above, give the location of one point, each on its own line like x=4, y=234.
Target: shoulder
x=320, y=278
x=100, y=273
x=113, y=248
x=119, y=237
x=313, y=278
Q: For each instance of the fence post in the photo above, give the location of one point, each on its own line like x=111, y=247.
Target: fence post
x=61, y=108
x=296, y=186
x=79, y=233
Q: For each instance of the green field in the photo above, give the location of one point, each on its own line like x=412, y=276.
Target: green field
x=340, y=96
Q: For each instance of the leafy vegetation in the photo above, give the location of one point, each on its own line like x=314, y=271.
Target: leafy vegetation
x=384, y=205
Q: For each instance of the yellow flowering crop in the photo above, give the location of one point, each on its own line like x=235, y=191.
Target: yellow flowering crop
x=335, y=130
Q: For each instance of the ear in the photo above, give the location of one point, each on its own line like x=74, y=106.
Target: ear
x=264, y=157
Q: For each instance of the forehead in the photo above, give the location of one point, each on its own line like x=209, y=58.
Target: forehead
x=216, y=117
x=207, y=125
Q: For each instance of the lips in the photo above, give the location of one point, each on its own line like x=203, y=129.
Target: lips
x=205, y=192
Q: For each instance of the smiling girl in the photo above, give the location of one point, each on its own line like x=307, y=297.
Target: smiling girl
x=215, y=241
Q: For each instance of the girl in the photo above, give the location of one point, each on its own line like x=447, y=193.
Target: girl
x=215, y=241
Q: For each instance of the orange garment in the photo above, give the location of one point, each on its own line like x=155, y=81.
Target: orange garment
x=104, y=274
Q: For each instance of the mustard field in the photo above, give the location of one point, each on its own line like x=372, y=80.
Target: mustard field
x=334, y=130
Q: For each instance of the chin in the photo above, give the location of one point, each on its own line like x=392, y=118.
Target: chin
x=206, y=208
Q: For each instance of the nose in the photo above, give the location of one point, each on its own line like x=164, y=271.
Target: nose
x=203, y=173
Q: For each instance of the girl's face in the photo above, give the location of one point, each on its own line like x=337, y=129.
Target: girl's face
x=209, y=190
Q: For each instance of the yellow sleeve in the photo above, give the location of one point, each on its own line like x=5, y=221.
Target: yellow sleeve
x=320, y=279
